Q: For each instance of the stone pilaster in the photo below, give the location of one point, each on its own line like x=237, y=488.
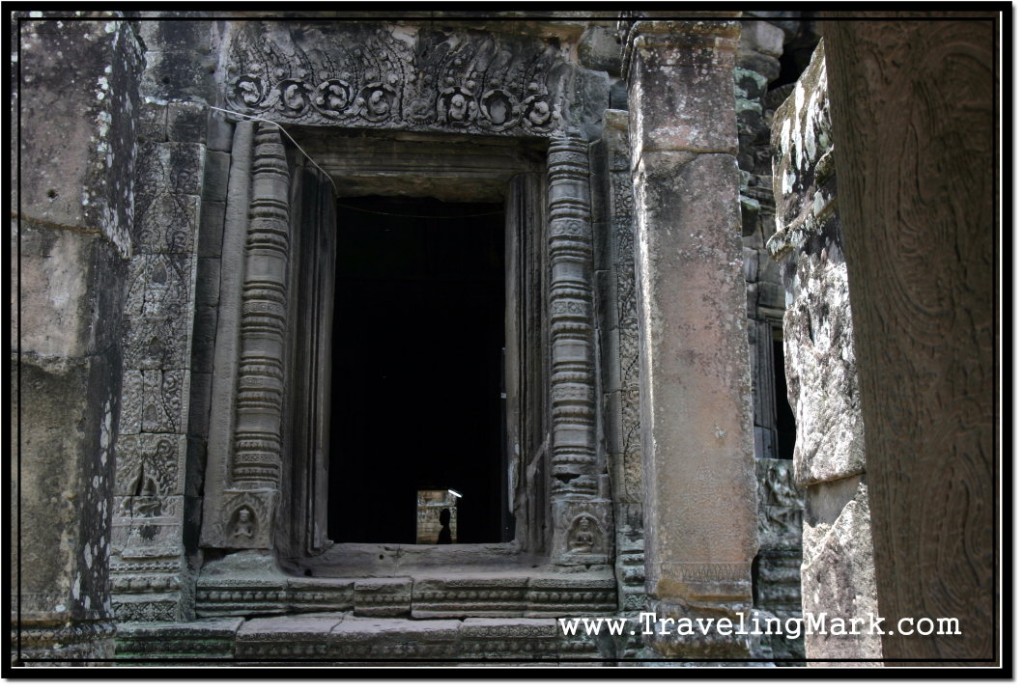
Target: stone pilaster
x=821, y=371
x=619, y=349
x=252, y=484
x=77, y=99
x=579, y=485
x=155, y=503
x=695, y=414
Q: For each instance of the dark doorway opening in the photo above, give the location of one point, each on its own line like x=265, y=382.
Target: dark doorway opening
x=416, y=403
x=785, y=422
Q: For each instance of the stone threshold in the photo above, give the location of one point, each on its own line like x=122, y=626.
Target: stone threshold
x=245, y=585
x=346, y=638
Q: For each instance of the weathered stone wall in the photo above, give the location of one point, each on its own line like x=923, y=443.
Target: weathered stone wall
x=916, y=128
x=167, y=333
x=776, y=569
x=615, y=275
x=77, y=101
x=821, y=372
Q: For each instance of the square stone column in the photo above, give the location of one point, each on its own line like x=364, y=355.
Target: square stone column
x=77, y=94
x=696, y=440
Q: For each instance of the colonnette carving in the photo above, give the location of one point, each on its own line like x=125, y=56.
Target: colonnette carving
x=579, y=487
x=380, y=76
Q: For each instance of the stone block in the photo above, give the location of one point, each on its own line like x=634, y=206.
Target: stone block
x=186, y=122
x=821, y=374
x=170, y=168
x=383, y=597
x=208, y=282
x=63, y=481
x=204, y=638
x=838, y=569
x=750, y=265
x=599, y=49
x=771, y=294
x=762, y=37
x=292, y=637
x=765, y=65
x=461, y=597
x=211, y=229
x=166, y=223
x=152, y=122
x=677, y=116
x=215, y=177
x=588, y=100
x=179, y=74
x=77, y=125
x=158, y=310
x=150, y=465
x=165, y=400
x=801, y=136
x=151, y=526
x=486, y=638
x=68, y=292
x=219, y=132
x=697, y=428
x=394, y=639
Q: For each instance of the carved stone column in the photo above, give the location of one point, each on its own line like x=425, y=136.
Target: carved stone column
x=251, y=471
x=700, y=495
x=582, y=514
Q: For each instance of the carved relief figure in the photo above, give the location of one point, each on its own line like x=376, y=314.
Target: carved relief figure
x=244, y=526
x=582, y=538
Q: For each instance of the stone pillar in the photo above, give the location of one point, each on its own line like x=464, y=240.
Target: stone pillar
x=700, y=520
x=251, y=475
x=77, y=99
x=155, y=504
x=620, y=364
x=821, y=371
x=579, y=483
x=914, y=116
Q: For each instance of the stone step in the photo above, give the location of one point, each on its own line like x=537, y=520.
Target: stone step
x=350, y=639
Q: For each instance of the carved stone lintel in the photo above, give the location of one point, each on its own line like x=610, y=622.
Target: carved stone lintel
x=368, y=75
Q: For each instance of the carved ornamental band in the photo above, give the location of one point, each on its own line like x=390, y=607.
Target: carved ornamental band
x=372, y=76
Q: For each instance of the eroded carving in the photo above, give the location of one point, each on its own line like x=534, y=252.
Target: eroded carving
x=584, y=535
x=247, y=517
x=781, y=503
x=365, y=75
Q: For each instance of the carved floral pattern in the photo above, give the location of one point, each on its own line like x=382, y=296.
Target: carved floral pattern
x=376, y=76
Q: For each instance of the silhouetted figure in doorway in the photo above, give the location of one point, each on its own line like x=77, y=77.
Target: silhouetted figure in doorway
x=445, y=536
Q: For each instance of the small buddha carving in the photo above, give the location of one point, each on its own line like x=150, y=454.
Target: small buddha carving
x=583, y=537
x=244, y=526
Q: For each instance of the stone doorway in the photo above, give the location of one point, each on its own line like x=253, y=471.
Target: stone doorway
x=418, y=367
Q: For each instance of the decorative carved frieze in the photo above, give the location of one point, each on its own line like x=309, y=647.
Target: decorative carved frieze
x=364, y=75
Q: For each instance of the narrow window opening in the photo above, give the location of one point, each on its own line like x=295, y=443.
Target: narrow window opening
x=417, y=367
x=785, y=422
